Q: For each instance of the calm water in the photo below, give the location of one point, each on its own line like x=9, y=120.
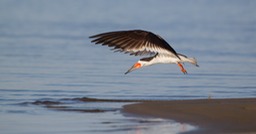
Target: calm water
x=48, y=66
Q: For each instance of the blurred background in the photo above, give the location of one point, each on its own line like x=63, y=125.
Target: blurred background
x=45, y=54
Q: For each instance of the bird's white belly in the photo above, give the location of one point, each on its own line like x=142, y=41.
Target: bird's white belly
x=165, y=59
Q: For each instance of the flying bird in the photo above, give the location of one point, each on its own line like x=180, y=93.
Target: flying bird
x=140, y=42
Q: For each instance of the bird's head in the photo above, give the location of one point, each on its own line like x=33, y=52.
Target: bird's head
x=136, y=66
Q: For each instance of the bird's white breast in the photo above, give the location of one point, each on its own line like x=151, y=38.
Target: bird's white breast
x=164, y=59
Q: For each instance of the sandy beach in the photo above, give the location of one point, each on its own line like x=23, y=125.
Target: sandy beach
x=209, y=115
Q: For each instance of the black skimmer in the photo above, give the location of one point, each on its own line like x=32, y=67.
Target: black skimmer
x=139, y=42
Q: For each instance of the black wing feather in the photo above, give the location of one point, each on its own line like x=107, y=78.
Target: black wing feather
x=135, y=42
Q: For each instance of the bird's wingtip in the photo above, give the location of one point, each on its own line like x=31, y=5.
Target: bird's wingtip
x=91, y=37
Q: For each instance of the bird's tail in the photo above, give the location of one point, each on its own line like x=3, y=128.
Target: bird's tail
x=184, y=58
x=193, y=61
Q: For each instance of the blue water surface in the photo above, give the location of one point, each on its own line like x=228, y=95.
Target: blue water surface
x=46, y=55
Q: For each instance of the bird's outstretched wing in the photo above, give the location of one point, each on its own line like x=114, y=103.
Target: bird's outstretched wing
x=135, y=42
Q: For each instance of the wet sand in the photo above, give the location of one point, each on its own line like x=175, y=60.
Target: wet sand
x=209, y=115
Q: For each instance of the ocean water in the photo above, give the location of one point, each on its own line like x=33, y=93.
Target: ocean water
x=53, y=80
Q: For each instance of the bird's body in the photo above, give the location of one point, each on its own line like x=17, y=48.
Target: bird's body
x=139, y=42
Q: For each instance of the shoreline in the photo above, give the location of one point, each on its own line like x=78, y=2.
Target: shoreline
x=209, y=115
